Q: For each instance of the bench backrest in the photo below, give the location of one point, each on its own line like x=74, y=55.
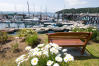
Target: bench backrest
x=70, y=35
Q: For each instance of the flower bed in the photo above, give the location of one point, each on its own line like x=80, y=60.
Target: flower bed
x=45, y=55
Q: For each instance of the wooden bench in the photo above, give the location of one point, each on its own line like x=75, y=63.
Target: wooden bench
x=70, y=39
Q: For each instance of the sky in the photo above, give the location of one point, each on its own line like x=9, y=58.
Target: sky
x=45, y=5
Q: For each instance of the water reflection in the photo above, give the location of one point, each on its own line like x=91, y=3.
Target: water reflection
x=17, y=25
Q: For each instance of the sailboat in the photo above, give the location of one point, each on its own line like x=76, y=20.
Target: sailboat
x=29, y=19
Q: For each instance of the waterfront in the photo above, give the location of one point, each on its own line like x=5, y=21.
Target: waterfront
x=16, y=25
x=42, y=28
x=4, y=25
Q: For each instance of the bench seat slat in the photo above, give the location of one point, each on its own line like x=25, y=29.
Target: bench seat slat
x=67, y=37
x=68, y=42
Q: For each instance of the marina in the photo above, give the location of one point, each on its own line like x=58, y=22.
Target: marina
x=41, y=28
x=46, y=24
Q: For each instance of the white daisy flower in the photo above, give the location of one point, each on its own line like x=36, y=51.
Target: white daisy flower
x=28, y=48
x=31, y=50
x=56, y=51
x=35, y=53
x=53, y=50
x=65, y=53
x=34, y=61
x=20, y=59
x=46, y=53
x=58, y=59
x=47, y=46
x=36, y=49
x=64, y=50
x=56, y=64
x=55, y=45
x=49, y=63
x=39, y=53
x=70, y=57
x=50, y=44
x=66, y=59
x=40, y=45
x=31, y=53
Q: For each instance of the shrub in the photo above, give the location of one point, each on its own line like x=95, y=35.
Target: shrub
x=26, y=32
x=97, y=38
x=76, y=29
x=30, y=36
x=89, y=29
x=3, y=37
x=32, y=39
x=22, y=33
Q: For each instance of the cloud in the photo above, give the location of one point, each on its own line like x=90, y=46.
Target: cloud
x=7, y=5
x=10, y=7
x=72, y=3
x=4, y=6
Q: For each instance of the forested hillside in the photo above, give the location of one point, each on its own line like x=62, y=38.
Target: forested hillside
x=80, y=10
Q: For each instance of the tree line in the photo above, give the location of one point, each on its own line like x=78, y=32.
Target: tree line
x=80, y=10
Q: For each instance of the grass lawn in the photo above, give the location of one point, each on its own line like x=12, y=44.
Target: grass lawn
x=92, y=60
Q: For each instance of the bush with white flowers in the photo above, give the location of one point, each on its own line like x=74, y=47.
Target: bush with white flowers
x=45, y=55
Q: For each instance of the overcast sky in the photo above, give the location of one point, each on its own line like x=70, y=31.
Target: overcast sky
x=43, y=5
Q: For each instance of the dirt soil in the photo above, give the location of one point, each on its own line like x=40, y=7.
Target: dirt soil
x=6, y=51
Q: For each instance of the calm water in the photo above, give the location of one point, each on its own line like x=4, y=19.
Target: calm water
x=17, y=25
x=24, y=25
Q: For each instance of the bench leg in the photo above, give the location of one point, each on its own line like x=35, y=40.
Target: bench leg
x=83, y=50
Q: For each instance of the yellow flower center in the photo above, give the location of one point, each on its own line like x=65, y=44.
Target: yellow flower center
x=65, y=59
x=49, y=62
x=34, y=61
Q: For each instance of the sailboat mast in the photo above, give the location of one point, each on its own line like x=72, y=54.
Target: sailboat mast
x=15, y=9
x=28, y=8
x=40, y=13
x=63, y=13
x=34, y=11
x=46, y=13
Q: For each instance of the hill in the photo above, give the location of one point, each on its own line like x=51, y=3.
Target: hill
x=80, y=10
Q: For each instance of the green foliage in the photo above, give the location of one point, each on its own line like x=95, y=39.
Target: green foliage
x=90, y=29
x=30, y=36
x=3, y=37
x=80, y=10
x=98, y=35
x=25, y=32
x=32, y=39
x=78, y=29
